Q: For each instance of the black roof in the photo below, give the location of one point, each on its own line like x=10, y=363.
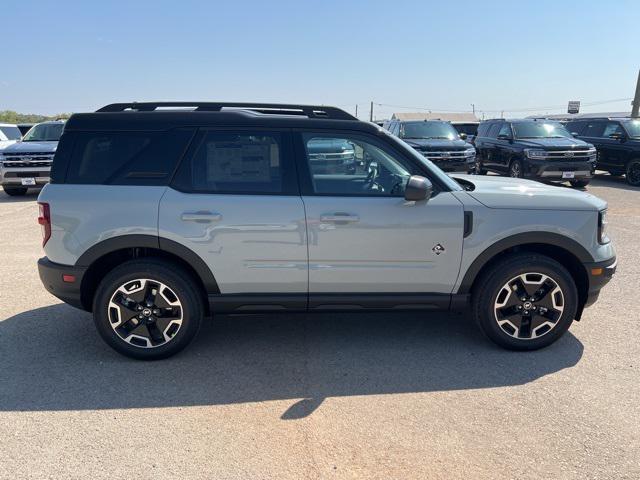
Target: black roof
x=166, y=115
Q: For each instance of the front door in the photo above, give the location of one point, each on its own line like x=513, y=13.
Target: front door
x=363, y=236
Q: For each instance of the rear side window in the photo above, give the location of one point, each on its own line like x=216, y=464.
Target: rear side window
x=493, y=131
x=593, y=129
x=237, y=162
x=575, y=127
x=126, y=158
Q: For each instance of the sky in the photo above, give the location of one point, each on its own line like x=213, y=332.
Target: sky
x=520, y=57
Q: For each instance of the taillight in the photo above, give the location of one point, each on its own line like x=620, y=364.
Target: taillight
x=44, y=219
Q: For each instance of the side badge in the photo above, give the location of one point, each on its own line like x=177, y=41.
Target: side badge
x=438, y=249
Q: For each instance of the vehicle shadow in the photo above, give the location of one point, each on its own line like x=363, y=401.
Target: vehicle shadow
x=51, y=358
x=607, y=180
x=31, y=196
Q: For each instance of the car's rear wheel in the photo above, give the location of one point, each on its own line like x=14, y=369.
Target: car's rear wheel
x=147, y=309
x=633, y=173
x=15, y=191
x=579, y=183
x=525, y=302
x=515, y=169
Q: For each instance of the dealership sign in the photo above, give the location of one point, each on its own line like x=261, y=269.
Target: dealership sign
x=574, y=106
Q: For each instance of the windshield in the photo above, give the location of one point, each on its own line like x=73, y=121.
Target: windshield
x=429, y=130
x=633, y=128
x=540, y=130
x=12, y=133
x=44, y=132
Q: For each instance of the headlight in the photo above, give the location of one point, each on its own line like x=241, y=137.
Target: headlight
x=535, y=153
x=470, y=152
x=602, y=227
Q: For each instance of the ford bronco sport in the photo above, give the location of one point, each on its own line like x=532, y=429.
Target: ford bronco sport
x=155, y=219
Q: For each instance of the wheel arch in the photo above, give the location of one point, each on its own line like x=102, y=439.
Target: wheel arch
x=564, y=250
x=108, y=254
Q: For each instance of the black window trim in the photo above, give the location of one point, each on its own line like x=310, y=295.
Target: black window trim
x=304, y=173
x=289, y=188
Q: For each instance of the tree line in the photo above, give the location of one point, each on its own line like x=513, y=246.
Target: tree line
x=9, y=116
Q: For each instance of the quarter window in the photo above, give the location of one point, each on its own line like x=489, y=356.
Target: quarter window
x=351, y=165
x=594, y=129
x=611, y=128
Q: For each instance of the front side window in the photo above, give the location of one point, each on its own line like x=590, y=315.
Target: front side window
x=612, y=128
x=12, y=133
x=633, y=128
x=540, y=130
x=442, y=130
x=234, y=162
x=352, y=165
x=505, y=130
x=44, y=132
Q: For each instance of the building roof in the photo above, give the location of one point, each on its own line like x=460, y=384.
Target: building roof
x=448, y=117
x=577, y=116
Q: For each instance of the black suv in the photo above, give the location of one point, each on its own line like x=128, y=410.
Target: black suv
x=617, y=141
x=538, y=149
x=438, y=141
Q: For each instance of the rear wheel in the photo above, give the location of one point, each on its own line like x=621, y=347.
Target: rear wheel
x=147, y=309
x=15, y=191
x=579, y=183
x=633, y=173
x=525, y=302
x=515, y=169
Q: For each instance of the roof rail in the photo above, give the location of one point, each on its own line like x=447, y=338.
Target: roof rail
x=311, y=111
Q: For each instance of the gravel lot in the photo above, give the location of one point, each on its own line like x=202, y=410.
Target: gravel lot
x=323, y=396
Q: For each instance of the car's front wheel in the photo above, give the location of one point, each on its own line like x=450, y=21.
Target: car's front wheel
x=15, y=191
x=525, y=302
x=147, y=309
x=515, y=169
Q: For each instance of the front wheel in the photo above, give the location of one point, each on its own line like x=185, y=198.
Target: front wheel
x=579, y=183
x=525, y=302
x=633, y=173
x=515, y=169
x=147, y=309
x=15, y=191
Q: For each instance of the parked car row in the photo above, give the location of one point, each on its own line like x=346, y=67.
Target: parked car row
x=26, y=162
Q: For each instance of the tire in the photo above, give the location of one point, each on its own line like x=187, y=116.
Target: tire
x=148, y=335
x=15, y=191
x=633, y=172
x=494, y=301
x=515, y=169
x=479, y=169
x=579, y=183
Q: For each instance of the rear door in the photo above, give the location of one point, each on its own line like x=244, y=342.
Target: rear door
x=364, y=237
x=235, y=202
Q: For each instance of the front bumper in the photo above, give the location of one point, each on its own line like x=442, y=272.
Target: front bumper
x=51, y=275
x=554, y=170
x=599, y=273
x=13, y=176
x=468, y=165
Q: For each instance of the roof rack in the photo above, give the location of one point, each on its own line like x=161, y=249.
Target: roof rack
x=311, y=111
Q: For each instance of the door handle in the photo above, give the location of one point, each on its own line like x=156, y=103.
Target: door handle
x=200, y=217
x=339, y=217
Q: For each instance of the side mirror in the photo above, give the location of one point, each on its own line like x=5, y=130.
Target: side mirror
x=575, y=134
x=616, y=136
x=418, y=188
x=463, y=136
x=504, y=137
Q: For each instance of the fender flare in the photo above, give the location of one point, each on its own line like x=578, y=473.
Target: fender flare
x=540, y=238
x=121, y=242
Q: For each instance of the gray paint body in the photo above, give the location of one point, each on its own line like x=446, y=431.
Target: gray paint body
x=291, y=244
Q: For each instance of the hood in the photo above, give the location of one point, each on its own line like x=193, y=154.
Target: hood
x=552, y=143
x=515, y=193
x=35, y=147
x=5, y=143
x=436, y=144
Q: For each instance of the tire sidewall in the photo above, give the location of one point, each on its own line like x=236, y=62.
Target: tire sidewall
x=629, y=167
x=494, y=282
x=176, y=280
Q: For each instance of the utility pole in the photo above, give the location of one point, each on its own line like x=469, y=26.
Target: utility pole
x=371, y=112
x=636, y=100
x=356, y=110
x=473, y=107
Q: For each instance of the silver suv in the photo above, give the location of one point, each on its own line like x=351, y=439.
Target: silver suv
x=156, y=218
x=27, y=163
